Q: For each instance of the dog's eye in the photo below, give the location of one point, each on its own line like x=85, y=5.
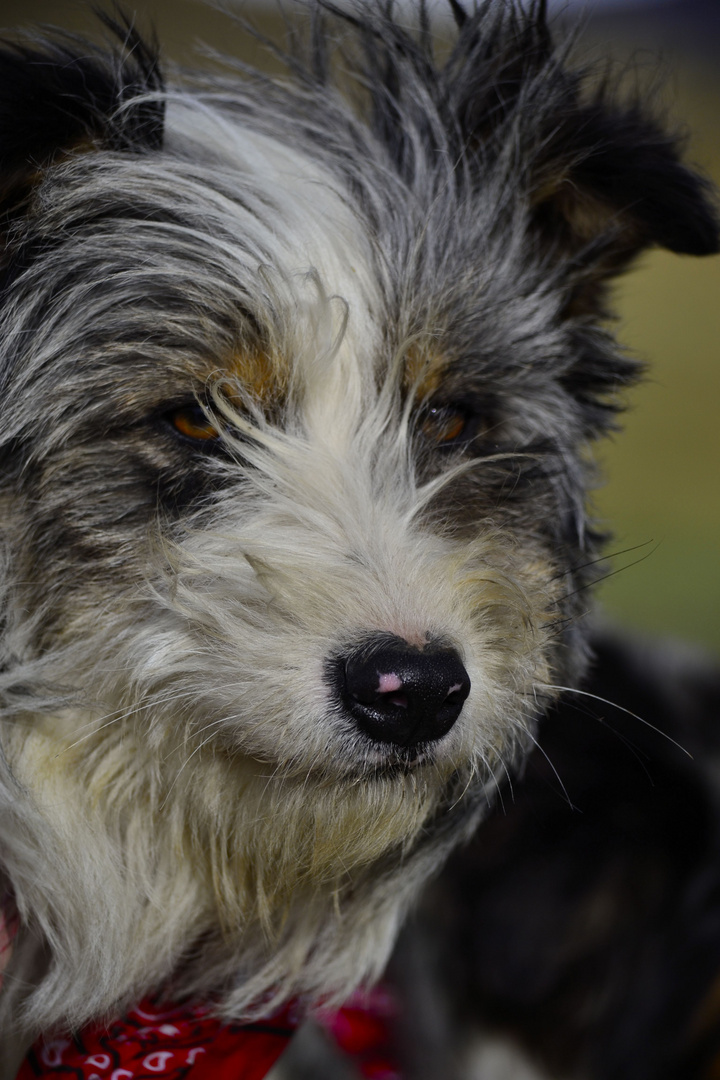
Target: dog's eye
x=191, y=422
x=444, y=425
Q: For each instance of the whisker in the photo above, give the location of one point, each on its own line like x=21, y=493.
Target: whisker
x=628, y=566
x=601, y=558
x=204, y=742
x=621, y=708
x=468, y=784
x=528, y=734
x=106, y=721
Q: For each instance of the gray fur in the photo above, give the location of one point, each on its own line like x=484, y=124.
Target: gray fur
x=182, y=795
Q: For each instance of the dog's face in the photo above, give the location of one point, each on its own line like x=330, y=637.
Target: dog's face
x=296, y=399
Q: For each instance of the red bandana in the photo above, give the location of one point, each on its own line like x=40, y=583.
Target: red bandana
x=363, y=1028
x=187, y=1041
x=170, y=1043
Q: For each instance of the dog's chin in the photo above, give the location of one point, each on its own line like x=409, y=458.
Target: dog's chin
x=369, y=760
x=384, y=762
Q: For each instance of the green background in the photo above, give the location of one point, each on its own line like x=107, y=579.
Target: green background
x=661, y=495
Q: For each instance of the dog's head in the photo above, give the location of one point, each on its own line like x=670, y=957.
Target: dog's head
x=297, y=388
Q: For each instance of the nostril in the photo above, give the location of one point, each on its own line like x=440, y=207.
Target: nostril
x=401, y=694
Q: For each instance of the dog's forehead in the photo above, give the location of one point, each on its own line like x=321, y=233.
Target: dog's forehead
x=237, y=251
x=226, y=255
x=291, y=240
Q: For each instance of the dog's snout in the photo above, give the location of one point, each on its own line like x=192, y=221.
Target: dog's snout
x=398, y=693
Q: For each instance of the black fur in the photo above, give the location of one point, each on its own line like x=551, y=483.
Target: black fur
x=584, y=919
x=60, y=96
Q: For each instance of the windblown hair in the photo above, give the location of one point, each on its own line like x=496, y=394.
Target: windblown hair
x=289, y=366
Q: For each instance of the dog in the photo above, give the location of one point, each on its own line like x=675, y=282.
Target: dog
x=299, y=378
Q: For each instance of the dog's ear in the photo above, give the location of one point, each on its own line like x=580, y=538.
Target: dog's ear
x=612, y=183
x=604, y=179
x=64, y=95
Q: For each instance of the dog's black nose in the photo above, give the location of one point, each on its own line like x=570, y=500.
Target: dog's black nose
x=401, y=694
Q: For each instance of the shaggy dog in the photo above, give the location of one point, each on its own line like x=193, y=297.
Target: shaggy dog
x=299, y=378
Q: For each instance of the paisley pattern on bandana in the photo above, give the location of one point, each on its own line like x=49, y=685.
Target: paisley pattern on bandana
x=164, y=1043
x=187, y=1042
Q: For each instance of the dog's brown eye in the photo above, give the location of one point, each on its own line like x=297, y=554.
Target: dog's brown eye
x=191, y=421
x=443, y=425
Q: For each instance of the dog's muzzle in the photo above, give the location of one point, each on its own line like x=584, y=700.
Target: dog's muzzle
x=401, y=694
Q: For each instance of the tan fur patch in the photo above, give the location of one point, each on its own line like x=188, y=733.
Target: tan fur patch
x=265, y=376
x=585, y=215
x=423, y=369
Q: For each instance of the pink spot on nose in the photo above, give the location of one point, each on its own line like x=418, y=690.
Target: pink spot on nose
x=388, y=683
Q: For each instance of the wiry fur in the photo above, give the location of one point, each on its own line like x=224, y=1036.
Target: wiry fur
x=186, y=806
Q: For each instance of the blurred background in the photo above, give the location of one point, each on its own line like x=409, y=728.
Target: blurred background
x=662, y=495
